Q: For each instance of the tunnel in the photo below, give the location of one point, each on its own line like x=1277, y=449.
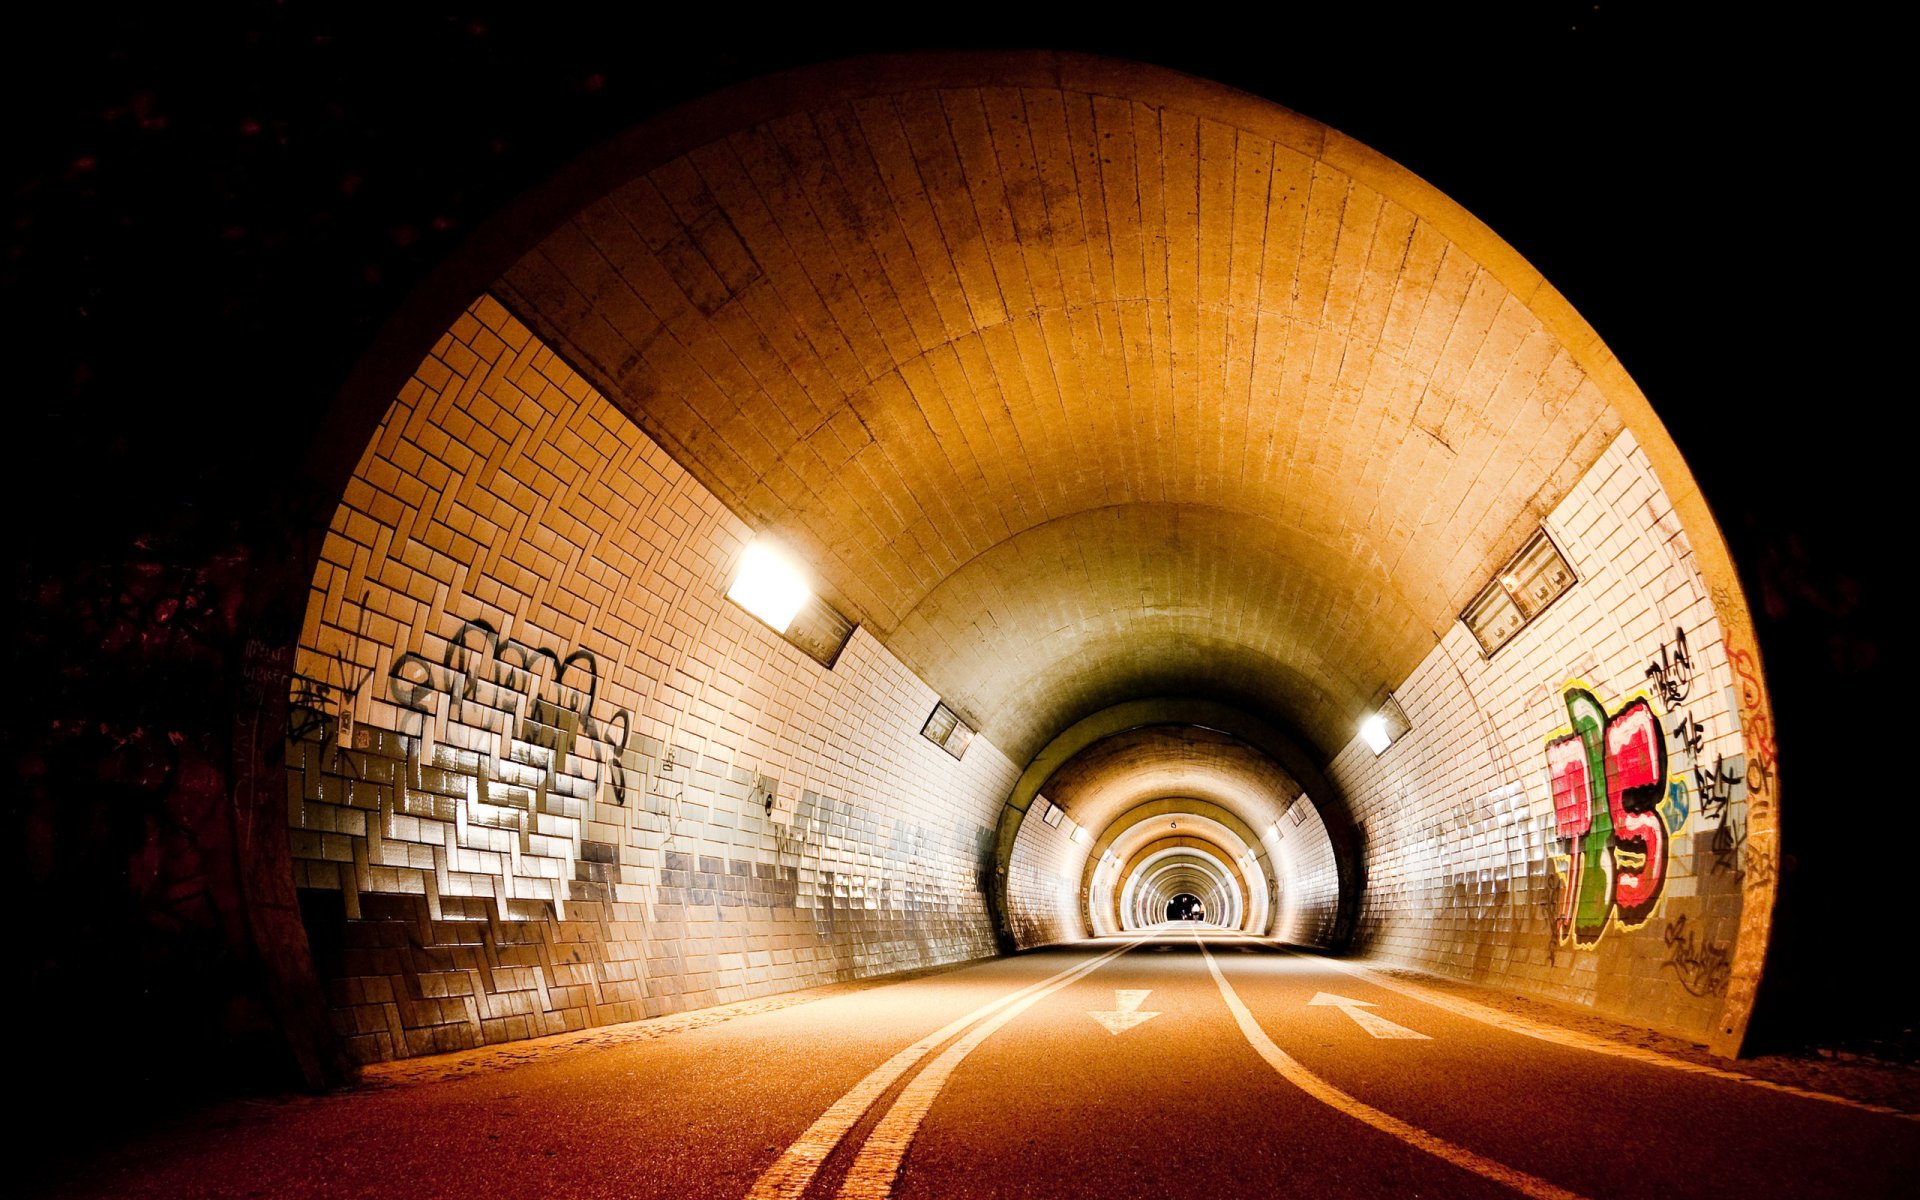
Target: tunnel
x=1018, y=562
x=1130, y=443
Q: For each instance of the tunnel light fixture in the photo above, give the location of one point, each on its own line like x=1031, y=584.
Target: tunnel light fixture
x=1520, y=591
x=769, y=585
x=945, y=729
x=1374, y=730
x=1384, y=727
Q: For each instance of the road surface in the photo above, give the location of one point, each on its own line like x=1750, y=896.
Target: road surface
x=1172, y=1064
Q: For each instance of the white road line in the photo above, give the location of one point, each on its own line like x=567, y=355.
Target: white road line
x=790, y=1174
x=1575, y=1040
x=1299, y=1076
x=873, y=1172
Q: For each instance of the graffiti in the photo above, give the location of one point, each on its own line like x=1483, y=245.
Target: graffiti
x=521, y=693
x=1759, y=782
x=1758, y=726
x=1729, y=838
x=1714, y=788
x=1551, y=899
x=310, y=712
x=1690, y=737
x=1672, y=676
x=321, y=707
x=1677, y=807
x=1608, y=777
x=1703, y=967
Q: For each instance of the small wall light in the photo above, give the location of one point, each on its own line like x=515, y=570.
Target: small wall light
x=1374, y=730
x=769, y=585
x=1385, y=726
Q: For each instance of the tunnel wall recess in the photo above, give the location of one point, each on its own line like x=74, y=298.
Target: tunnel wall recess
x=543, y=775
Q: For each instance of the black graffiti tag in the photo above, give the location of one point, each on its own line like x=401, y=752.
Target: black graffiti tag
x=1703, y=967
x=1672, y=675
x=531, y=694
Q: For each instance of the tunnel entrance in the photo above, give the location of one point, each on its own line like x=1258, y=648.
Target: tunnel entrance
x=1186, y=907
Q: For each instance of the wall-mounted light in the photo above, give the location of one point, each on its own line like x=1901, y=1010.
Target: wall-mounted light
x=1374, y=730
x=1518, y=592
x=1385, y=726
x=769, y=585
x=945, y=729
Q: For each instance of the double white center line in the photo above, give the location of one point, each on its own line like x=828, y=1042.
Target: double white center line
x=872, y=1173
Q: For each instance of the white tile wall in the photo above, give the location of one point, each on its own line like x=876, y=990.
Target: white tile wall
x=1457, y=815
x=703, y=815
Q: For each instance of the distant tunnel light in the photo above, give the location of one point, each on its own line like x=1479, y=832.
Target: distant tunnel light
x=769, y=585
x=1374, y=730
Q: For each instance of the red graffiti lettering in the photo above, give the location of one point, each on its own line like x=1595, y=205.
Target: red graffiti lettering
x=1607, y=777
x=1636, y=777
x=1759, y=728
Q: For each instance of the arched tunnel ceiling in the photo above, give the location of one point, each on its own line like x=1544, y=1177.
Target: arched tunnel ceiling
x=1112, y=777
x=1078, y=380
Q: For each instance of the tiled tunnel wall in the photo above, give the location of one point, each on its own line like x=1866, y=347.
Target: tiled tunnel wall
x=1309, y=882
x=1043, y=882
x=544, y=776
x=1469, y=850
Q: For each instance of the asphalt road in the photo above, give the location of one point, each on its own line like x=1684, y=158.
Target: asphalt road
x=1163, y=1066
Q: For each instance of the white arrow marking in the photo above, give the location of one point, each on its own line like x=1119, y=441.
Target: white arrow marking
x=1126, y=1014
x=1373, y=1023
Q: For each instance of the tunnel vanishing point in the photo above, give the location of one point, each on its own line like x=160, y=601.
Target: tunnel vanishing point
x=1180, y=498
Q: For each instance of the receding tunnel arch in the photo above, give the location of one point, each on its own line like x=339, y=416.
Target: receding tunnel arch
x=1172, y=822
x=1247, y=758
x=1153, y=639
x=1072, y=382
x=1169, y=864
x=1170, y=871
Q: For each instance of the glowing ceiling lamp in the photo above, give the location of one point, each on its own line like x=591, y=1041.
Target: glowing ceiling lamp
x=769, y=585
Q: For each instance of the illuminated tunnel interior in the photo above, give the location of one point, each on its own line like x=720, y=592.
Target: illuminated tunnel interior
x=909, y=510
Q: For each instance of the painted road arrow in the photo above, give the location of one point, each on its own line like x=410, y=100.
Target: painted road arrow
x=1126, y=1011
x=1373, y=1023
